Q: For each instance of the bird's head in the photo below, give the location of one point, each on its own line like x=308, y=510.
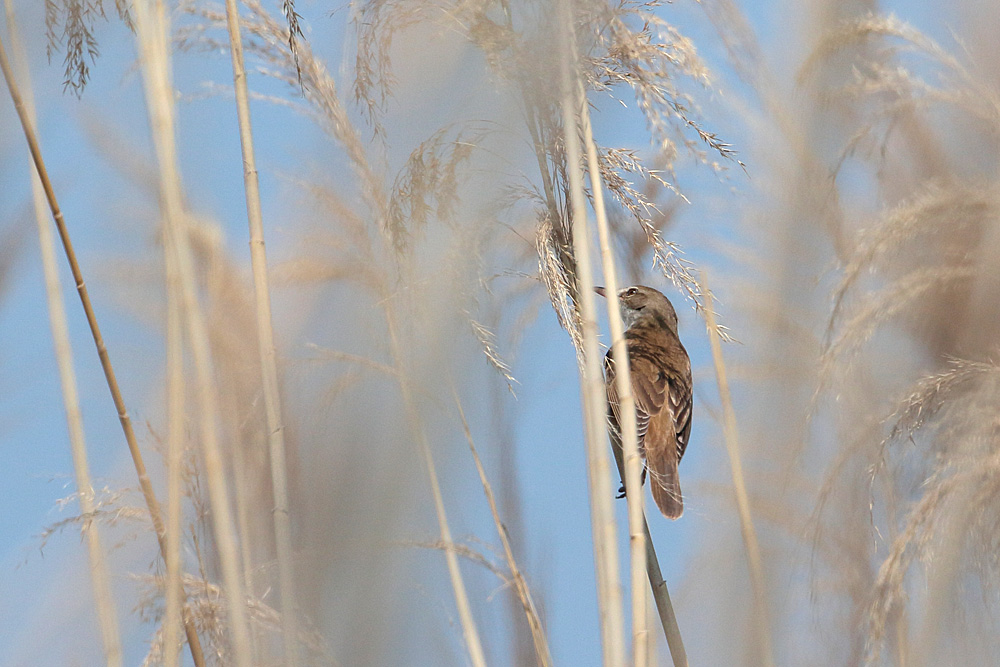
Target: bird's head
x=641, y=303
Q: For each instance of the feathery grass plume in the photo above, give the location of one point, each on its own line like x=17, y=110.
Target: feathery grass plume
x=294, y=32
x=204, y=601
x=937, y=215
x=633, y=48
x=904, y=71
x=383, y=233
x=923, y=273
x=931, y=220
x=427, y=185
x=229, y=314
x=69, y=27
x=956, y=513
x=487, y=339
x=650, y=56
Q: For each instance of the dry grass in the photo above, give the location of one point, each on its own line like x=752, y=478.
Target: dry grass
x=417, y=254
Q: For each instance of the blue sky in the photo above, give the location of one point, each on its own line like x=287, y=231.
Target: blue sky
x=109, y=220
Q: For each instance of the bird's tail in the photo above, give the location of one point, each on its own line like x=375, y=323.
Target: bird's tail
x=665, y=483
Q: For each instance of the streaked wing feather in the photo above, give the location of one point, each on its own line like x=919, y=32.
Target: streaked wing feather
x=649, y=390
x=680, y=405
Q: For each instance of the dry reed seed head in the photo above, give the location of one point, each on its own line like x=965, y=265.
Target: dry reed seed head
x=268, y=42
x=650, y=59
x=69, y=26
x=869, y=28
x=558, y=284
x=957, y=482
x=933, y=392
x=206, y=602
x=428, y=184
x=294, y=33
x=922, y=252
x=110, y=508
x=887, y=86
x=376, y=24
x=488, y=341
x=940, y=213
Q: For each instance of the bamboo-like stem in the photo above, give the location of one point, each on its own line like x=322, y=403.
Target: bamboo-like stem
x=661, y=596
x=375, y=197
x=265, y=342
x=520, y=585
x=469, y=631
x=107, y=617
x=739, y=484
x=652, y=637
x=241, y=499
x=626, y=402
x=174, y=592
x=639, y=537
x=145, y=485
x=591, y=376
x=152, y=37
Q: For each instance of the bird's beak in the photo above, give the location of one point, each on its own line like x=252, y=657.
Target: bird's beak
x=600, y=290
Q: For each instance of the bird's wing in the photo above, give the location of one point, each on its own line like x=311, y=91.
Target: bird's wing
x=681, y=400
x=649, y=388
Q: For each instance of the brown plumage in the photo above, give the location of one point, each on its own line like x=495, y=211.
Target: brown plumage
x=661, y=385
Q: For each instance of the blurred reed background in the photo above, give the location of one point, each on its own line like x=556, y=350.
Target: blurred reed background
x=829, y=165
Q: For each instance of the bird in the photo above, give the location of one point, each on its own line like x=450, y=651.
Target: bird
x=662, y=387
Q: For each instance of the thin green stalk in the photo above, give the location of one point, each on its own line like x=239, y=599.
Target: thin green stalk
x=152, y=40
x=520, y=585
x=739, y=485
x=107, y=617
x=109, y=374
x=265, y=341
x=591, y=376
x=626, y=402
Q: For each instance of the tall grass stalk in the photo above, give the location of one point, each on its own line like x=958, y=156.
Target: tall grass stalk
x=592, y=390
x=145, y=485
x=626, y=402
x=173, y=591
x=152, y=38
x=469, y=631
x=107, y=616
x=658, y=586
x=265, y=341
x=319, y=89
x=520, y=585
x=739, y=485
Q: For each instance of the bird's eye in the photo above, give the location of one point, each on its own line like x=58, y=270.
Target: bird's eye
x=631, y=291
